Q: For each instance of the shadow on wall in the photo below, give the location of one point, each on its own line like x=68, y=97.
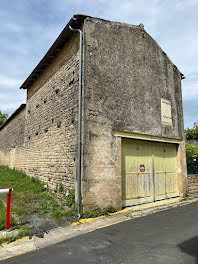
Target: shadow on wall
x=190, y=247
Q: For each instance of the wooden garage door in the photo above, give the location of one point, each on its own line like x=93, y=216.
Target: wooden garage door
x=148, y=171
x=137, y=186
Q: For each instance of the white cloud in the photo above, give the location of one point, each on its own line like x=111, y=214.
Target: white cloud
x=9, y=82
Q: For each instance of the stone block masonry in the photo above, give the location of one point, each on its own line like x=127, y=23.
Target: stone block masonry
x=12, y=137
x=46, y=130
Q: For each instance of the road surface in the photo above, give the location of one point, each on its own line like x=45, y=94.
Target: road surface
x=168, y=237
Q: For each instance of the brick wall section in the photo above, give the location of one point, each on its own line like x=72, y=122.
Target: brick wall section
x=12, y=138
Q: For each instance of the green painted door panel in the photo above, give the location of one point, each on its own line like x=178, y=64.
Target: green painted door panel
x=159, y=171
x=157, y=180
x=171, y=171
x=137, y=186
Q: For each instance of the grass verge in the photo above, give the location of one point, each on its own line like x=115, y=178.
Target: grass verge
x=30, y=197
x=33, y=204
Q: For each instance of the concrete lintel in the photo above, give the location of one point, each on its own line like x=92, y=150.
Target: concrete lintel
x=133, y=135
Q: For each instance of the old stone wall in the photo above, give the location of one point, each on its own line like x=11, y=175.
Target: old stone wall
x=192, y=141
x=126, y=76
x=51, y=129
x=12, y=138
x=193, y=185
x=50, y=133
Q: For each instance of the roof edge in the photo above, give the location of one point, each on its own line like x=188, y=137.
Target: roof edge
x=18, y=110
x=60, y=41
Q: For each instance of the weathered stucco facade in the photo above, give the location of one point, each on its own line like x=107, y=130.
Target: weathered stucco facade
x=125, y=77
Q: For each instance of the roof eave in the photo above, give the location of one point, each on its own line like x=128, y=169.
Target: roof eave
x=54, y=49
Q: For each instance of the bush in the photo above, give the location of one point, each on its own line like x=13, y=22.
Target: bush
x=192, y=158
x=192, y=133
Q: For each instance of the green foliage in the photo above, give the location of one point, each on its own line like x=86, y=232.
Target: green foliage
x=70, y=199
x=108, y=210
x=30, y=197
x=192, y=158
x=60, y=188
x=59, y=214
x=3, y=118
x=192, y=133
x=98, y=212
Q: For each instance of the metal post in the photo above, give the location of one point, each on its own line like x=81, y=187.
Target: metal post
x=7, y=191
x=7, y=222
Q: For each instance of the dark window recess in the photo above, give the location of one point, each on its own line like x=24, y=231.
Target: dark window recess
x=29, y=138
x=73, y=121
x=57, y=91
x=45, y=101
x=59, y=124
x=72, y=81
x=37, y=106
x=36, y=134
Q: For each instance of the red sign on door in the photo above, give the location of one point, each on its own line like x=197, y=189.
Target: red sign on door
x=142, y=168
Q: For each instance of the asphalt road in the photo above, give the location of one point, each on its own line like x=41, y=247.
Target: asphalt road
x=166, y=237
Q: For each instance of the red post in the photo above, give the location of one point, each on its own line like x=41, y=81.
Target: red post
x=7, y=222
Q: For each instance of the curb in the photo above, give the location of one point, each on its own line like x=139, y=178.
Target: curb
x=133, y=208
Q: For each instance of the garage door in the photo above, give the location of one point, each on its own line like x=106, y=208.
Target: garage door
x=149, y=171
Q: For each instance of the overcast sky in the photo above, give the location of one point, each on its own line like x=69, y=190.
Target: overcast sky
x=29, y=27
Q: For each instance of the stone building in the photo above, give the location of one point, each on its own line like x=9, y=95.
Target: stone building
x=133, y=147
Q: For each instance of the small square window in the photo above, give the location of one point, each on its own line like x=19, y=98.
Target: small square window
x=166, y=116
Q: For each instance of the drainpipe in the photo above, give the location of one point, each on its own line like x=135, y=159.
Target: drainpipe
x=79, y=121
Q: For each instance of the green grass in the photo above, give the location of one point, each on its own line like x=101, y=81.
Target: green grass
x=30, y=197
x=98, y=212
